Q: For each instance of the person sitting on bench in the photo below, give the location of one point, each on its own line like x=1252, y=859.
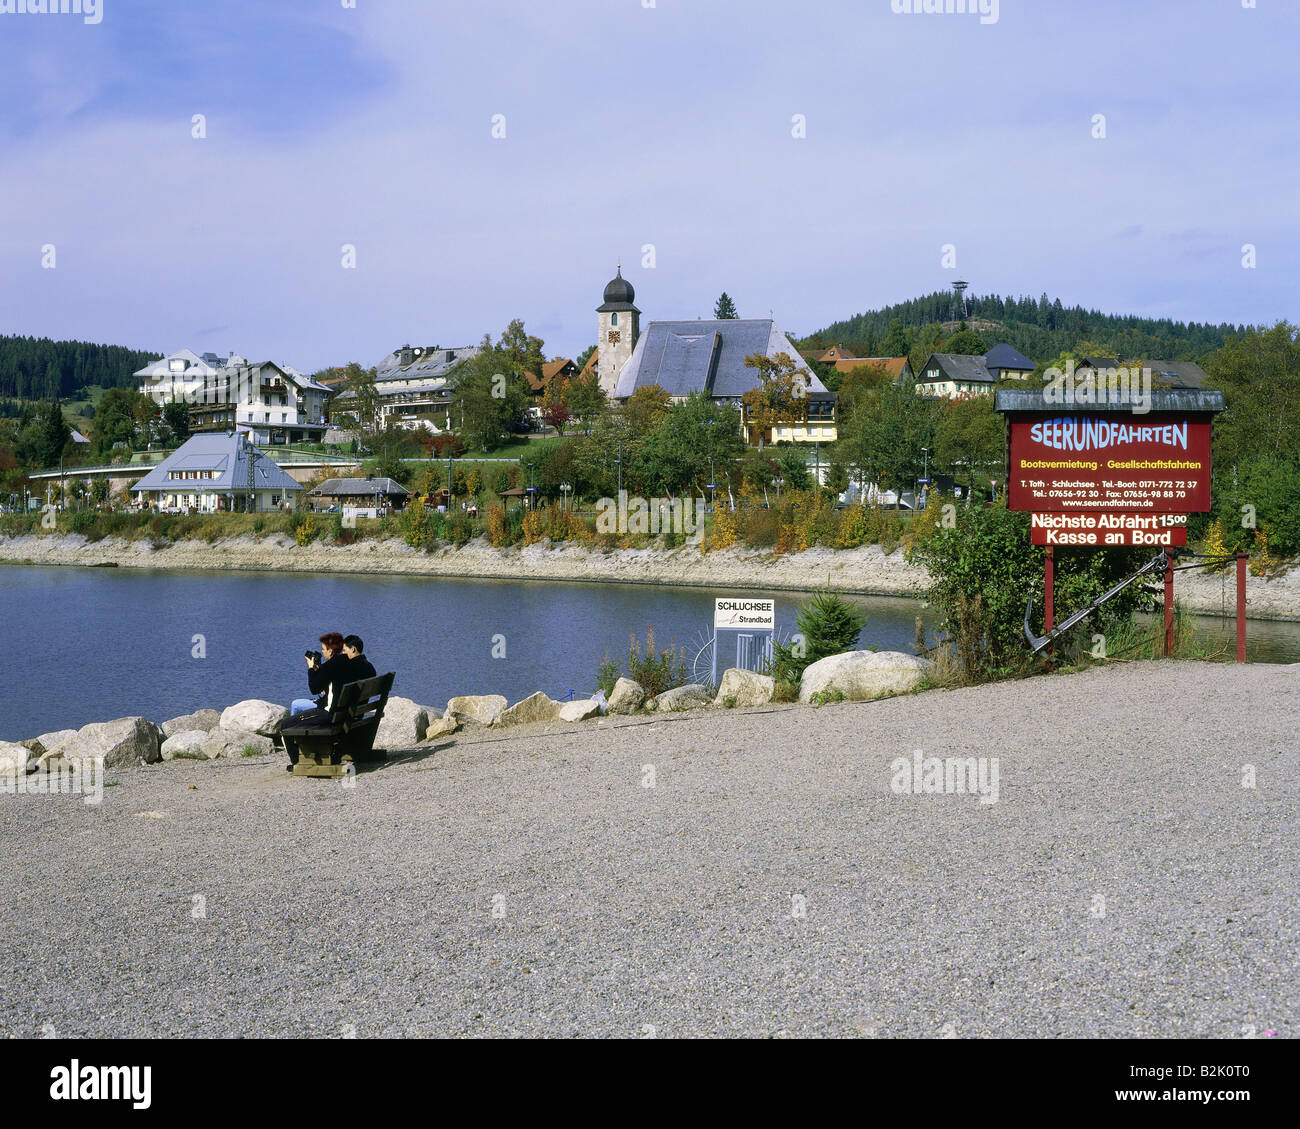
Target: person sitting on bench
x=323, y=675
x=325, y=680
x=358, y=668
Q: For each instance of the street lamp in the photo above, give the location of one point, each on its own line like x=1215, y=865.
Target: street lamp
x=532, y=489
x=564, y=490
x=778, y=482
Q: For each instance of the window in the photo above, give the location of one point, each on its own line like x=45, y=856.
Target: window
x=613, y=319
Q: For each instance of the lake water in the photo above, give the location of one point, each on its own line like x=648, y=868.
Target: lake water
x=95, y=644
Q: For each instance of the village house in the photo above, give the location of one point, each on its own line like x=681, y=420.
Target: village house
x=898, y=368
x=685, y=357
x=273, y=403
x=414, y=387
x=217, y=472
x=559, y=369
x=956, y=376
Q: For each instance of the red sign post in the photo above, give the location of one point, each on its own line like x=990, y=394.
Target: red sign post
x=1119, y=476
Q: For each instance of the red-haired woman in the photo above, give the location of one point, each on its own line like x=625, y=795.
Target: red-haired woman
x=325, y=677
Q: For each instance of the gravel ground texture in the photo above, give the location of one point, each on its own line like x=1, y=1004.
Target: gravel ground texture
x=728, y=873
x=867, y=570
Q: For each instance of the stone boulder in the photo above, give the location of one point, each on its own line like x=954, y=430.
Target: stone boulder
x=745, y=688
x=477, y=709
x=682, y=698
x=223, y=742
x=39, y=746
x=188, y=744
x=253, y=716
x=626, y=697
x=13, y=758
x=536, y=707
x=203, y=721
x=440, y=727
x=579, y=710
x=863, y=675
x=128, y=740
x=403, y=726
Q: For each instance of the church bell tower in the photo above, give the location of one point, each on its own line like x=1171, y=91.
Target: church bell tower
x=618, y=325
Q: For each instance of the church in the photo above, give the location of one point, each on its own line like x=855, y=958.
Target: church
x=685, y=357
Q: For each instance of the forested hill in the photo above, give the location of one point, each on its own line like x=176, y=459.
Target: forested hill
x=1041, y=329
x=33, y=368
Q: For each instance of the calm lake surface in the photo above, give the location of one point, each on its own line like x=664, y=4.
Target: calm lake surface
x=96, y=644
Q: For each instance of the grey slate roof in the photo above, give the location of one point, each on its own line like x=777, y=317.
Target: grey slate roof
x=431, y=365
x=224, y=453
x=707, y=355
x=955, y=366
x=1004, y=356
x=1174, y=374
x=358, y=487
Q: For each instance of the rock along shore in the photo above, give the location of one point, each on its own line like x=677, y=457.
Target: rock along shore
x=863, y=571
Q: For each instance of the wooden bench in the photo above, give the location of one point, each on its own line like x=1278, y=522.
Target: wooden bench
x=330, y=748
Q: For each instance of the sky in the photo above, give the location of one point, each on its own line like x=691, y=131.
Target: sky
x=497, y=159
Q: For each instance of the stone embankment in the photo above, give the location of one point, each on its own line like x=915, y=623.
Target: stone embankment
x=249, y=728
x=868, y=570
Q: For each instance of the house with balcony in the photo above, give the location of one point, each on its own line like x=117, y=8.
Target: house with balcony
x=274, y=404
x=414, y=387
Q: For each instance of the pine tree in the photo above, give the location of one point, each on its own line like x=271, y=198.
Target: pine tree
x=725, y=309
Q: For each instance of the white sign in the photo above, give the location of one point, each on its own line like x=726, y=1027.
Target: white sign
x=741, y=612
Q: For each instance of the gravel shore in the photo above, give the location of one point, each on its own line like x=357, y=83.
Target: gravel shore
x=769, y=883
x=867, y=571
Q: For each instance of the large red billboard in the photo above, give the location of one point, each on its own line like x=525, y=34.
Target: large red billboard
x=1109, y=461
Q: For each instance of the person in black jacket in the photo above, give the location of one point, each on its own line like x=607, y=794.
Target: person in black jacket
x=358, y=668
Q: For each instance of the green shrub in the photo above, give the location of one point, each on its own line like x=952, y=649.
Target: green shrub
x=81, y=521
x=607, y=675
x=826, y=697
x=653, y=669
x=829, y=626
x=459, y=530
x=983, y=569
x=656, y=671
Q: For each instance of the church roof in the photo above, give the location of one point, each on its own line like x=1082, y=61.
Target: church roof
x=683, y=357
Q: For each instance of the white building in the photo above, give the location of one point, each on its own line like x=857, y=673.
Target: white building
x=414, y=387
x=217, y=472
x=273, y=403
